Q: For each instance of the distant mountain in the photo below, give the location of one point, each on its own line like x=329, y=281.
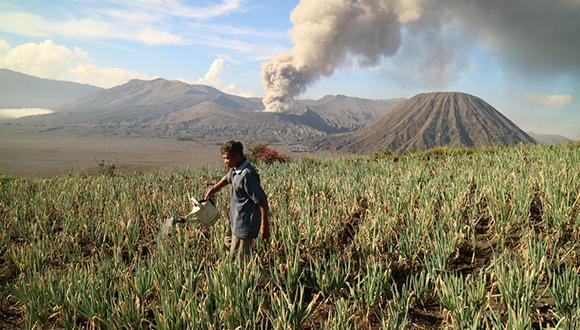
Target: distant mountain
x=432, y=120
x=349, y=113
x=175, y=109
x=550, y=138
x=19, y=90
x=140, y=101
x=209, y=120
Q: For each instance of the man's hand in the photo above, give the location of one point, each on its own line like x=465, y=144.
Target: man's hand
x=265, y=232
x=265, y=227
x=210, y=193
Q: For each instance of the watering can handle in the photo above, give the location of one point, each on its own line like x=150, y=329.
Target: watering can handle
x=195, y=202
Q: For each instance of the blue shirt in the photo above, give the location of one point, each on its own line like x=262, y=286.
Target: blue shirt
x=245, y=199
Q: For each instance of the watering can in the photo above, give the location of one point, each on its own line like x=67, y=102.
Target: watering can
x=203, y=212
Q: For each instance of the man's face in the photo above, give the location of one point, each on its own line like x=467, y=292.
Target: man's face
x=231, y=159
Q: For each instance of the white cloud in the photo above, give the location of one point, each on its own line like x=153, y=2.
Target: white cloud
x=22, y=112
x=246, y=50
x=141, y=9
x=104, y=76
x=212, y=78
x=212, y=75
x=132, y=16
x=151, y=22
x=232, y=44
x=152, y=36
x=239, y=30
x=32, y=25
x=49, y=60
x=143, y=21
x=4, y=44
x=44, y=59
x=547, y=100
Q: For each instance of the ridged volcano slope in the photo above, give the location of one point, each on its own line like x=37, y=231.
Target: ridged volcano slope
x=432, y=120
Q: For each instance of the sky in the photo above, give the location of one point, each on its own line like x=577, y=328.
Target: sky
x=521, y=56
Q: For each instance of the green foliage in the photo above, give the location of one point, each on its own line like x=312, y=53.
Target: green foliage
x=565, y=288
x=470, y=238
x=6, y=178
x=464, y=298
x=396, y=313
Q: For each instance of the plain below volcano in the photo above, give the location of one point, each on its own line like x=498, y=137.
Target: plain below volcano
x=431, y=120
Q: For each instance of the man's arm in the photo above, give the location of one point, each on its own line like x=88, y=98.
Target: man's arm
x=222, y=183
x=265, y=228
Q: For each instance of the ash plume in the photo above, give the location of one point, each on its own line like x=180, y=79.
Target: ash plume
x=426, y=42
x=533, y=38
x=326, y=35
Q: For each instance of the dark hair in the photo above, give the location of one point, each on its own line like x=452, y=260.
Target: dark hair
x=233, y=147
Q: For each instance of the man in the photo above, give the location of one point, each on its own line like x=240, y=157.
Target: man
x=248, y=202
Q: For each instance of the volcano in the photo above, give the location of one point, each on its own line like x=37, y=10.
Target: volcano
x=431, y=120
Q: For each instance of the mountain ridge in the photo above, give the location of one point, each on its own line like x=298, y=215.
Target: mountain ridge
x=175, y=109
x=550, y=138
x=20, y=90
x=165, y=108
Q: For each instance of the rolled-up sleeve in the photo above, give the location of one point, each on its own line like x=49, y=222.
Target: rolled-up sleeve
x=253, y=188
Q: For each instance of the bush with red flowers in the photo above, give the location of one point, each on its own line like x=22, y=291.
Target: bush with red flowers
x=262, y=153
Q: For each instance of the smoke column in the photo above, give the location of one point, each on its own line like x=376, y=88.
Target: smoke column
x=327, y=34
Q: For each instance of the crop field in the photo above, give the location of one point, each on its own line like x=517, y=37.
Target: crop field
x=455, y=238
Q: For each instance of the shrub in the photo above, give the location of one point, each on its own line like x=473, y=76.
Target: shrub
x=261, y=152
x=105, y=168
x=6, y=177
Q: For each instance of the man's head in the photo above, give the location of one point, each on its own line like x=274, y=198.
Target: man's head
x=233, y=153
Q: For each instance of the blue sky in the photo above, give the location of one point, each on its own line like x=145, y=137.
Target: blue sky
x=224, y=43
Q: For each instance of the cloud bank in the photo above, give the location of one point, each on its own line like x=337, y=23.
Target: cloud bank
x=49, y=60
x=547, y=100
